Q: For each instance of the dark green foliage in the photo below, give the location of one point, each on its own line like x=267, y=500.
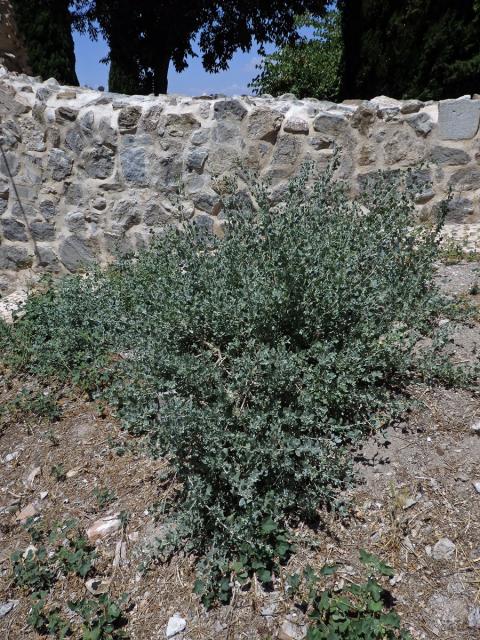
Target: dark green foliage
x=49, y=622
x=147, y=35
x=62, y=551
x=352, y=611
x=254, y=363
x=425, y=49
x=46, y=27
x=103, y=618
x=309, y=68
x=30, y=402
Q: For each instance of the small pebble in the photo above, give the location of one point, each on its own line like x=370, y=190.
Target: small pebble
x=6, y=607
x=175, y=625
x=477, y=486
x=444, y=549
x=10, y=457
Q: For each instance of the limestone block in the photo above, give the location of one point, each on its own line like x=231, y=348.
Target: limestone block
x=229, y=109
x=207, y=201
x=75, y=221
x=65, y=114
x=14, y=230
x=132, y=160
x=75, y=140
x=448, y=155
x=329, y=125
x=86, y=121
x=180, y=125
x=151, y=119
x=364, y=117
x=196, y=159
x=48, y=209
x=76, y=254
x=264, y=124
x=201, y=136
x=403, y=148
x=47, y=258
x=125, y=215
x=296, y=125
x=74, y=193
x=411, y=106
x=421, y=123
x=466, y=179
x=10, y=164
x=13, y=257
x=458, y=119
x=287, y=150
x=99, y=162
x=42, y=231
x=59, y=164
x=128, y=119
x=156, y=214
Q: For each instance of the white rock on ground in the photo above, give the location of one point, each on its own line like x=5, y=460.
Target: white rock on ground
x=474, y=618
x=175, y=625
x=6, y=607
x=444, y=549
x=10, y=304
x=104, y=527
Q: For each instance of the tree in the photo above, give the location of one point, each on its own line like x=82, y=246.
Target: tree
x=46, y=28
x=310, y=67
x=146, y=36
x=425, y=49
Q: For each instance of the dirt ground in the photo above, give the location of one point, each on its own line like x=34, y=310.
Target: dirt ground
x=417, y=487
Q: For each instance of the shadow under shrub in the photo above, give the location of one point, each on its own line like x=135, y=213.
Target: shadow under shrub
x=254, y=362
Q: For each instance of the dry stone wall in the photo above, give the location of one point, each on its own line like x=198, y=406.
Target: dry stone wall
x=85, y=174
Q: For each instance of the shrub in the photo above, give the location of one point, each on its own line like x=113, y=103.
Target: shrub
x=256, y=362
x=309, y=68
x=350, y=611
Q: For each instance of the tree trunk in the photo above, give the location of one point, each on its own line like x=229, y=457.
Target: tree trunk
x=160, y=74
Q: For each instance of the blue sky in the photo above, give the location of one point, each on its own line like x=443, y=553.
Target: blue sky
x=192, y=81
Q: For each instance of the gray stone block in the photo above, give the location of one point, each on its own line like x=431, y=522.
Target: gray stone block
x=59, y=164
x=47, y=209
x=14, y=230
x=12, y=164
x=466, y=179
x=330, y=125
x=47, y=258
x=196, y=159
x=458, y=119
x=229, y=109
x=421, y=123
x=128, y=119
x=126, y=215
x=75, y=140
x=99, y=162
x=448, y=156
x=132, y=160
x=264, y=124
x=65, y=114
x=12, y=257
x=42, y=231
x=76, y=254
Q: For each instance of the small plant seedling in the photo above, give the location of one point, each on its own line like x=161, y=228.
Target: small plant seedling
x=103, y=618
x=58, y=472
x=104, y=497
x=355, y=611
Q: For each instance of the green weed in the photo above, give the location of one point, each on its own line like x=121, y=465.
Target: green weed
x=254, y=362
